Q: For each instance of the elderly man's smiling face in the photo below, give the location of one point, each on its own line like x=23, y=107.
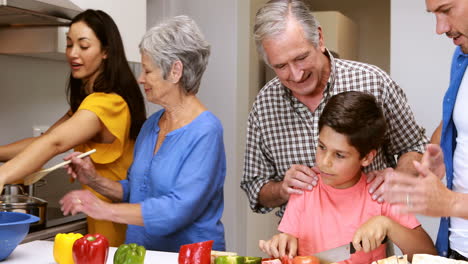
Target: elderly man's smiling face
x=299, y=65
x=452, y=20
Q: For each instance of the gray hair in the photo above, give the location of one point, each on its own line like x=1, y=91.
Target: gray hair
x=271, y=20
x=178, y=39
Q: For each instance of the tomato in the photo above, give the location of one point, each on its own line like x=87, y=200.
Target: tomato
x=286, y=260
x=305, y=260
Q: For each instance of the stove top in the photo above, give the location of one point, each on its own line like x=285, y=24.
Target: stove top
x=55, y=217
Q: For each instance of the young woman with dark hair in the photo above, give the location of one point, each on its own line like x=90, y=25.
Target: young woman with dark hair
x=106, y=112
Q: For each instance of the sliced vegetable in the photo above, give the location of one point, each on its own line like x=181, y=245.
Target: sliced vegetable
x=196, y=253
x=230, y=260
x=286, y=260
x=253, y=260
x=305, y=260
x=130, y=254
x=91, y=249
x=63, y=245
x=215, y=254
x=271, y=261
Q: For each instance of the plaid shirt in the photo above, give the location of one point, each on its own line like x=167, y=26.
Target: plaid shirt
x=281, y=131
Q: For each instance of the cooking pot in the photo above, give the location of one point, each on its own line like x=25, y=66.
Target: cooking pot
x=13, y=189
x=26, y=204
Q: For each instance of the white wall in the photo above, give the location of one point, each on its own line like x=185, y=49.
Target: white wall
x=32, y=94
x=420, y=63
x=420, y=60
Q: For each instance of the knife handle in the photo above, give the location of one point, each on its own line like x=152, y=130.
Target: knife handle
x=352, y=250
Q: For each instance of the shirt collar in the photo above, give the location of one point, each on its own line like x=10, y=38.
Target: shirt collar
x=332, y=77
x=459, y=52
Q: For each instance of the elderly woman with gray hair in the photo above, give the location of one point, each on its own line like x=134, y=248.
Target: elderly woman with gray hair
x=174, y=191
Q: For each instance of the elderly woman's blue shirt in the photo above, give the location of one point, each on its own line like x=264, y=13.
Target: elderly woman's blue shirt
x=180, y=188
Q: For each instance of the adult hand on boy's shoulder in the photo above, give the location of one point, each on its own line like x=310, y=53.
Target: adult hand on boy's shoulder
x=279, y=245
x=371, y=234
x=297, y=179
x=376, y=180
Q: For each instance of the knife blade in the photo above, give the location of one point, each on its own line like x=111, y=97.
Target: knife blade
x=339, y=253
x=335, y=254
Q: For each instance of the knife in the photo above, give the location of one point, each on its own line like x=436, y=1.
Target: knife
x=339, y=253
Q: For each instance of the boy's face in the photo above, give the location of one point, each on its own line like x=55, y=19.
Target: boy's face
x=339, y=162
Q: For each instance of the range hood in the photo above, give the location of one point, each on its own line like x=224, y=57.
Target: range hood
x=15, y=13
x=35, y=27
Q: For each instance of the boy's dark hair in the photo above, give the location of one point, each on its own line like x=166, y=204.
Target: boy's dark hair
x=358, y=116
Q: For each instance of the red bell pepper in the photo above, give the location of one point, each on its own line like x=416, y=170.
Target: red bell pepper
x=91, y=249
x=197, y=253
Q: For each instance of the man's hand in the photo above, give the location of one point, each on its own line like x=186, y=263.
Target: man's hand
x=297, y=179
x=371, y=234
x=425, y=194
x=433, y=159
x=377, y=178
x=279, y=245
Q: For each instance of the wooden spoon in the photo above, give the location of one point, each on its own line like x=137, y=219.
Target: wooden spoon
x=32, y=178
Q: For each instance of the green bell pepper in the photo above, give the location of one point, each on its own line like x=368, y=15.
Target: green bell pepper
x=230, y=260
x=130, y=254
x=253, y=260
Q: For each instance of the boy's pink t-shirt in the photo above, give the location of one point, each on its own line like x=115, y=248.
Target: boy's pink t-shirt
x=325, y=218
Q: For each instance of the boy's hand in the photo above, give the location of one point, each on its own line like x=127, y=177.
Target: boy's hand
x=279, y=245
x=371, y=234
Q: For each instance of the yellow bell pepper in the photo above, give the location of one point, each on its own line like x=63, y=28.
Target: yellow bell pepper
x=63, y=245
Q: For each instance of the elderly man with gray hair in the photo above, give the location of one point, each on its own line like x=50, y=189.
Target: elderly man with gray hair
x=282, y=129
x=179, y=158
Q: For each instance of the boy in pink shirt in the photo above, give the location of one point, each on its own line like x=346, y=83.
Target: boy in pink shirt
x=340, y=209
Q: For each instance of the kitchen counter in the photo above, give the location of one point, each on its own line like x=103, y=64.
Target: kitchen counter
x=41, y=252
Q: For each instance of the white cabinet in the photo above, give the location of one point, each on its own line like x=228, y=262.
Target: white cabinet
x=340, y=33
x=39, y=42
x=130, y=17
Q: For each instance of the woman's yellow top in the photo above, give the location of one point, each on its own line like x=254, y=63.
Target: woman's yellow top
x=111, y=160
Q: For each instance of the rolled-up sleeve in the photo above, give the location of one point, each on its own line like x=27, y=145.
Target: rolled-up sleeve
x=125, y=190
